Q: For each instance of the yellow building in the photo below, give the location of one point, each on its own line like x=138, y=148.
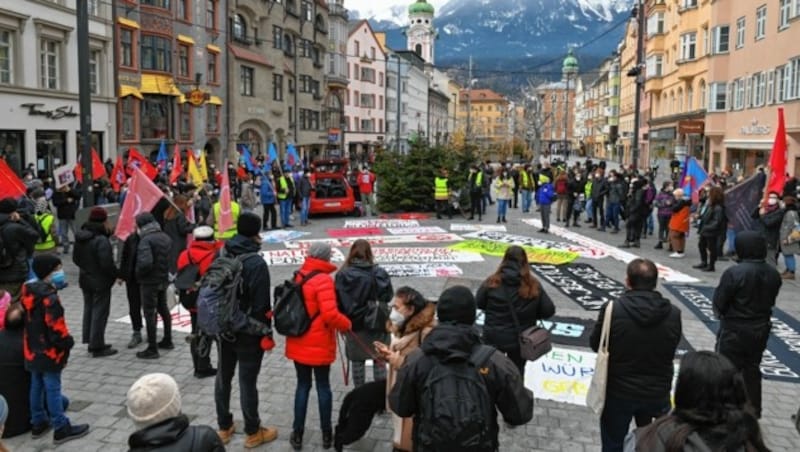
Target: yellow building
x=678, y=46
x=627, y=101
x=483, y=115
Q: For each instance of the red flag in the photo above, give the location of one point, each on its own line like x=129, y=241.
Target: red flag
x=98, y=169
x=777, y=159
x=137, y=160
x=142, y=196
x=225, y=220
x=10, y=185
x=118, y=175
x=177, y=168
x=78, y=170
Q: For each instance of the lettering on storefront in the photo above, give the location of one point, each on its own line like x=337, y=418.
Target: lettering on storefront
x=755, y=129
x=56, y=113
x=256, y=111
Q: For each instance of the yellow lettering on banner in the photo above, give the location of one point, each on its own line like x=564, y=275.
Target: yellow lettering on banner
x=535, y=255
x=565, y=387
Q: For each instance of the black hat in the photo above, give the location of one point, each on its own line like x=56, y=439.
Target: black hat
x=8, y=205
x=44, y=264
x=456, y=305
x=145, y=218
x=249, y=224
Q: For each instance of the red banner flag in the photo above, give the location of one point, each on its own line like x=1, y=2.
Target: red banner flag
x=118, y=176
x=10, y=184
x=777, y=159
x=142, y=196
x=98, y=169
x=137, y=160
x=177, y=168
x=225, y=220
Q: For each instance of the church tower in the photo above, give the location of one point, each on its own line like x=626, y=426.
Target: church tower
x=421, y=33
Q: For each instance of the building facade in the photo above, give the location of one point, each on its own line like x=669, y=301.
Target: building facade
x=557, y=102
x=39, y=83
x=407, y=93
x=485, y=115
x=627, y=100
x=336, y=76
x=421, y=33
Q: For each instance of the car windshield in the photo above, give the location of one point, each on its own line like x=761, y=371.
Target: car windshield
x=330, y=188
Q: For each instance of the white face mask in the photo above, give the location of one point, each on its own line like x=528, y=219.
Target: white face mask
x=397, y=318
x=772, y=201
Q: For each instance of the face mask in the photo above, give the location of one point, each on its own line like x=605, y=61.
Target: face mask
x=397, y=318
x=772, y=201
x=59, y=279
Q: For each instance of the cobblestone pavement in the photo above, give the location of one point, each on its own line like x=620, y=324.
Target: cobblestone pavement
x=97, y=387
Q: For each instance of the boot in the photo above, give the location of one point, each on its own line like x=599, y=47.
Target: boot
x=626, y=245
x=787, y=275
x=70, y=432
x=327, y=439
x=296, y=440
x=504, y=219
x=659, y=246
x=136, y=339
x=498, y=220
x=700, y=266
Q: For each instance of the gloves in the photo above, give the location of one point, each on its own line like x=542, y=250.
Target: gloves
x=267, y=344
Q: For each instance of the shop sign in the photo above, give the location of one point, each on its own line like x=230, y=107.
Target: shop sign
x=197, y=97
x=333, y=135
x=755, y=129
x=691, y=127
x=56, y=113
x=663, y=134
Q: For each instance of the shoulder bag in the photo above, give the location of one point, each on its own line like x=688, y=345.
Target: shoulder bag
x=596, y=396
x=534, y=341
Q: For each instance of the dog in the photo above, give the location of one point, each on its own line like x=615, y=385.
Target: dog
x=358, y=409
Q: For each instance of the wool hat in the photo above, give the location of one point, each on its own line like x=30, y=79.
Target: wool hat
x=249, y=224
x=44, y=264
x=98, y=214
x=153, y=398
x=320, y=250
x=3, y=411
x=203, y=233
x=8, y=205
x=456, y=305
x=145, y=218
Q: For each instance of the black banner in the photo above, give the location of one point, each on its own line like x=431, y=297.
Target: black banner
x=742, y=200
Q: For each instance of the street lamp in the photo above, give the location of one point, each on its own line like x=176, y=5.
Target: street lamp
x=568, y=69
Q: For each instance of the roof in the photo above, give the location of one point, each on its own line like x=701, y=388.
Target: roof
x=420, y=7
x=481, y=95
x=248, y=55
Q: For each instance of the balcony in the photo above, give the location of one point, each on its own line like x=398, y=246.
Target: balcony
x=337, y=11
x=655, y=43
x=653, y=85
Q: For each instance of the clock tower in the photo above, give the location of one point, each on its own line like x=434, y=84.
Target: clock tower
x=421, y=33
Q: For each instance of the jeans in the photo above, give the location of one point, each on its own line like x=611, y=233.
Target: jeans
x=286, y=210
x=96, y=306
x=324, y=395
x=617, y=415
x=526, y=201
x=305, y=204
x=789, y=260
x=64, y=226
x=663, y=228
x=46, y=389
x=134, y=305
x=269, y=214
x=612, y=215
x=154, y=299
x=730, y=239
x=367, y=204
x=589, y=209
x=502, y=208
x=544, y=210
x=246, y=351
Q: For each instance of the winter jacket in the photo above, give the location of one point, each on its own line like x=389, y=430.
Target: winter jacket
x=639, y=440
x=267, y=191
x=545, y=194
x=496, y=302
x=127, y=262
x=18, y=238
x=15, y=381
x=255, y=273
x=66, y=203
x=95, y=258
x=635, y=207
x=248, y=198
x=176, y=435
x=152, y=256
x=600, y=188
x=201, y=253
x=645, y=331
x=503, y=188
x=769, y=224
x=176, y=229
x=456, y=342
x=680, y=216
x=317, y=347
x=712, y=221
x=47, y=340
x=304, y=187
x=790, y=219
x=358, y=283
x=576, y=187
x=202, y=210
x=664, y=202
x=617, y=191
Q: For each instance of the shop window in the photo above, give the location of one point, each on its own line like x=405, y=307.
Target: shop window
x=51, y=150
x=12, y=149
x=127, y=119
x=212, y=119
x=156, y=117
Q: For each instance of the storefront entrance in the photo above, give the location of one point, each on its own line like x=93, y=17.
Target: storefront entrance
x=12, y=148
x=51, y=151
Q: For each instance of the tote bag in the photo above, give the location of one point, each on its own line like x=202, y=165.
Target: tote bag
x=596, y=396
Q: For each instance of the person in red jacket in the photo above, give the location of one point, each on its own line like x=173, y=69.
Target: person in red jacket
x=366, y=183
x=314, y=351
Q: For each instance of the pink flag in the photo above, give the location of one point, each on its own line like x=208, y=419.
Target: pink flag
x=142, y=196
x=225, y=220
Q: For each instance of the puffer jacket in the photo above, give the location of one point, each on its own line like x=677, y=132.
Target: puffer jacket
x=47, y=340
x=496, y=302
x=176, y=435
x=18, y=238
x=127, y=263
x=358, y=283
x=617, y=191
x=318, y=346
x=790, y=219
x=177, y=228
x=267, y=191
x=645, y=331
x=152, y=256
x=94, y=257
x=769, y=224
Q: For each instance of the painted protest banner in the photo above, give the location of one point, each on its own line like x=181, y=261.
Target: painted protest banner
x=422, y=270
x=354, y=232
x=404, y=216
x=666, y=273
x=377, y=240
x=521, y=240
x=281, y=235
x=416, y=230
x=181, y=319
x=537, y=255
x=742, y=200
x=581, y=283
x=468, y=227
x=294, y=257
x=381, y=223
x=781, y=359
x=423, y=255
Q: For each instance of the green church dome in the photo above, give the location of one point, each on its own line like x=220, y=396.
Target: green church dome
x=570, y=63
x=421, y=7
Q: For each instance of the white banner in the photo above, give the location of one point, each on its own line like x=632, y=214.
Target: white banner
x=181, y=320
x=381, y=223
x=281, y=235
x=417, y=230
x=563, y=375
x=521, y=240
x=64, y=175
x=423, y=255
x=469, y=227
x=294, y=257
x=377, y=240
x=422, y=270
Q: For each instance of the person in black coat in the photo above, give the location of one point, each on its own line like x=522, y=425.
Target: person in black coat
x=712, y=225
x=576, y=186
x=66, y=200
x=743, y=301
x=600, y=188
x=635, y=209
x=177, y=227
x=645, y=332
x=152, y=273
x=769, y=218
x=18, y=237
x=95, y=258
x=512, y=286
x=127, y=274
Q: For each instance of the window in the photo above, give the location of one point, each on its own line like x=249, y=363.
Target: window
x=156, y=117
x=156, y=53
x=246, y=81
x=780, y=87
x=718, y=100
x=770, y=88
x=277, y=37
x=356, y=71
x=687, y=4
x=49, y=54
x=305, y=84
x=740, y=32
x=127, y=118
x=738, y=94
x=305, y=48
x=380, y=78
x=689, y=99
x=184, y=10
x=785, y=13
x=93, y=7
x=356, y=98
x=654, y=66
x=211, y=71
x=211, y=14
x=794, y=79
x=761, y=22
x=288, y=46
x=212, y=118
x=368, y=74
x=655, y=24
x=157, y=3
x=367, y=125
x=126, y=47
x=239, y=28
x=277, y=87
x=183, y=61
x=759, y=89
x=6, y=57
x=185, y=111
x=721, y=39
x=368, y=100
x=94, y=68
x=357, y=47
x=688, y=46
x=380, y=102
x=306, y=10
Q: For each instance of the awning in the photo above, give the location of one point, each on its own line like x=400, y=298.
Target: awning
x=249, y=55
x=181, y=99
x=185, y=39
x=128, y=23
x=752, y=145
x=159, y=84
x=213, y=48
x=214, y=100
x=128, y=90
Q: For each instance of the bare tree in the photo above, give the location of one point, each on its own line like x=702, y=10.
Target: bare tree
x=535, y=116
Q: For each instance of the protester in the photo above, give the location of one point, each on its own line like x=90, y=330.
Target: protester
x=645, y=331
x=248, y=199
x=154, y=406
x=790, y=242
x=247, y=350
x=545, y=195
x=635, y=213
x=412, y=319
x=475, y=182
x=216, y=217
x=454, y=346
x=127, y=275
x=617, y=197
x=711, y=411
x=768, y=221
x=441, y=194
x=561, y=186
x=512, y=286
x=15, y=380
x=284, y=186
x=679, y=224
x=576, y=188
x=600, y=189
x=503, y=189
x=47, y=347
x=315, y=351
x=664, y=201
x=743, y=301
x=267, y=191
x=152, y=273
x=66, y=200
x=19, y=238
x=526, y=187
x=366, y=183
x=95, y=259
x=711, y=226
x=177, y=227
x=304, y=189
x=363, y=291
x=47, y=221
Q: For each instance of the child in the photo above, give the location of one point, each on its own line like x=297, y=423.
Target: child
x=47, y=343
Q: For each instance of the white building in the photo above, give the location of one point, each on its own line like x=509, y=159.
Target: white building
x=412, y=99
x=39, y=83
x=421, y=32
x=441, y=82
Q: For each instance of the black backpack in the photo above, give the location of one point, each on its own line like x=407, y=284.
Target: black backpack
x=456, y=409
x=290, y=316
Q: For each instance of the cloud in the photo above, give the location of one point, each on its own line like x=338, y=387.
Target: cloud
x=382, y=7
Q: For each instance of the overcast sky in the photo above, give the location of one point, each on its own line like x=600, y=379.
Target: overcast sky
x=382, y=6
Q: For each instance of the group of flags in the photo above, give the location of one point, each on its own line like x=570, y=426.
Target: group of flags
x=252, y=165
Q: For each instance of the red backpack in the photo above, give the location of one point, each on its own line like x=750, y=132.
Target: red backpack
x=561, y=186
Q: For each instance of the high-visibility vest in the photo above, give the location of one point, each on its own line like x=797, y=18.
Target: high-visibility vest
x=440, y=193
x=49, y=242
x=587, y=189
x=283, y=193
x=525, y=183
x=479, y=179
x=225, y=235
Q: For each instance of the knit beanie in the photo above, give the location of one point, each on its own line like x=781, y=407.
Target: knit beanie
x=249, y=224
x=203, y=233
x=8, y=205
x=320, y=250
x=145, y=218
x=456, y=305
x=44, y=264
x=98, y=215
x=153, y=398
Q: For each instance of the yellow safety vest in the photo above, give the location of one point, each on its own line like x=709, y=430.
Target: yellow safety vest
x=441, y=194
x=225, y=235
x=525, y=180
x=283, y=193
x=49, y=242
x=479, y=179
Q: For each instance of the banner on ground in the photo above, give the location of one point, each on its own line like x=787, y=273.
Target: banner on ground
x=468, y=227
x=375, y=240
x=422, y=270
x=666, y=273
x=416, y=230
x=281, y=235
x=537, y=255
x=382, y=256
x=521, y=240
x=354, y=232
x=781, y=359
x=294, y=257
x=381, y=223
x=581, y=283
x=404, y=216
x=181, y=319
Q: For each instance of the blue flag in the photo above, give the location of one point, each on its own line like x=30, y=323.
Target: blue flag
x=694, y=177
x=272, y=154
x=291, y=155
x=163, y=157
x=247, y=158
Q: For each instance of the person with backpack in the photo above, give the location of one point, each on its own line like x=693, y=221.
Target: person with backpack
x=267, y=191
x=244, y=348
x=152, y=273
x=363, y=291
x=451, y=374
x=17, y=238
x=664, y=201
x=545, y=195
x=315, y=350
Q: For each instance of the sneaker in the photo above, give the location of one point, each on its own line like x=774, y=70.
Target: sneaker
x=296, y=440
x=205, y=373
x=70, y=432
x=136, y=339
x=104, y=352
x=226, y=434
x=39, y=430
x=262, y=436
x=659, y=246
x=327, y=439
x=787, y=275
x=677, y=255
x=166, y=345
x=148, y=353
